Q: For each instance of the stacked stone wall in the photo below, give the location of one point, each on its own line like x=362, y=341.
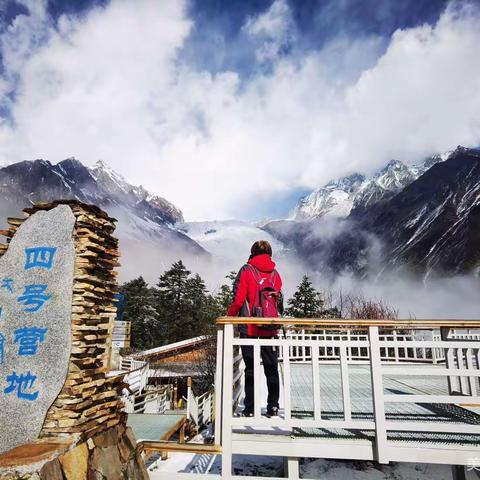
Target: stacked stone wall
x=84, y=434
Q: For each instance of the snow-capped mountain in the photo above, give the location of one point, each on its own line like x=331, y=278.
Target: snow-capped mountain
x=387, y=182
x=424, y=220
x=340, y=197
x=333, y=200
x=149, y=240
x=149, y=206
x=432, y=225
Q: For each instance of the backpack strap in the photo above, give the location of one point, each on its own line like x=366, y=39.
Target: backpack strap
x=257, y=276
x=255, y=273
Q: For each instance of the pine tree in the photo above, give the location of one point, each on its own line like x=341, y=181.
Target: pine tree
x=139, y=310
x=198, y=319
x=172, y=304
x=306, y=301
x=225, y=295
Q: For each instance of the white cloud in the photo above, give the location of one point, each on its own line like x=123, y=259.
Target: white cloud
x=110, y=86
x=274, y=30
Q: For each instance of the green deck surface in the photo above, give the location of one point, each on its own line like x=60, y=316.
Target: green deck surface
x=152, y=426
x=362, y=408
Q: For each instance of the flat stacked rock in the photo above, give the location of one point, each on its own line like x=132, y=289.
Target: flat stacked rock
x=90, y=401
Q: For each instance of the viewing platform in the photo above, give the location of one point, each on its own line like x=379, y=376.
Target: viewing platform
x=377, y=390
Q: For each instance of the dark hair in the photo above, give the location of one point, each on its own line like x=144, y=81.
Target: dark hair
x=261, y=246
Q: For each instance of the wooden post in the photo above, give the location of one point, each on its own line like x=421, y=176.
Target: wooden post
x=175, y=394
x=189, y=396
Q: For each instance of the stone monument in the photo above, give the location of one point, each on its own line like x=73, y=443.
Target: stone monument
x=61, y=413
x=36, y=279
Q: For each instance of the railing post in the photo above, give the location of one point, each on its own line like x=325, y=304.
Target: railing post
x=317, y=406
x=449, y=361
x=395, y=349
x=347, y=409
x=471, y=380
x=286, y=382
x=291, y=468
x=257, y=409
x=227, y=401
x=377, y=396
x=189, y=396
x=219, y=387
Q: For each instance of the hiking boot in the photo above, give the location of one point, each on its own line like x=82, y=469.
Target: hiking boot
x=272, y=412
x=247, y=413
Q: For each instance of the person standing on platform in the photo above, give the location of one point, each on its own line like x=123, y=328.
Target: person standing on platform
x=257, y=292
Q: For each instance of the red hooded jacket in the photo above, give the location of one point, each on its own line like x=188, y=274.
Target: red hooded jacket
x=245, y=288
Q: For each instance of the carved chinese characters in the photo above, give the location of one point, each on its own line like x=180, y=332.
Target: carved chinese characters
x=36, y=277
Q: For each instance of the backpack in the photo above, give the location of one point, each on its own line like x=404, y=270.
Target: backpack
x=266, y=302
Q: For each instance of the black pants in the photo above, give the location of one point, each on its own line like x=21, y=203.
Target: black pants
x=270, y=366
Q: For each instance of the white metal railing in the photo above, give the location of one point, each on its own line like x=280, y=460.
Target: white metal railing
x=152, y=401
x=302, y=352
x=201, y=409
x=138, y=397
x=374, y=346
x=130, y=363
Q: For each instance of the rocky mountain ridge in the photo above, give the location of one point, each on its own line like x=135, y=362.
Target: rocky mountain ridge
x=339, y=197
x=429, y=227
x=146, y=227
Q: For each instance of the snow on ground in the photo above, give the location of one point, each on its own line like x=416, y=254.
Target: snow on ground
x=309, y=468
x=312, y=469
x=324, y=469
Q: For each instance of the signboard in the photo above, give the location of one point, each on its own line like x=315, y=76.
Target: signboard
x=36, y=278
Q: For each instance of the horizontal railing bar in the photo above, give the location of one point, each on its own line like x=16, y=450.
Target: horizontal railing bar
x=400, y=426
x=453, y=399
x=357, y=343
x=435, y=427
x=248, y=477
x=431, y=344
x=334, y=360
x=150, y=445
x=387, y=370
x=299, y=343
x=194, y=476
x=303, y=423
x=349, y=323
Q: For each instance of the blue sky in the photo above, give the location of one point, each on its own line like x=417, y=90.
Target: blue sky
x=316, y=22
x=236, y=108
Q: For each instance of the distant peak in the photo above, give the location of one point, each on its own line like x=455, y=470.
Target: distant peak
x=396, y=164
x=101, y=167
x=101, y=164
x=70, y=161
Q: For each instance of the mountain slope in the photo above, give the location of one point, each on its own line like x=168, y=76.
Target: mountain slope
x=146, y=205
x=149, y=240
x=431, y=226
x=340, y=197
x=333, y=200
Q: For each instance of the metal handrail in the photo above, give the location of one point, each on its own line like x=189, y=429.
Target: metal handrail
x=349, y=323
